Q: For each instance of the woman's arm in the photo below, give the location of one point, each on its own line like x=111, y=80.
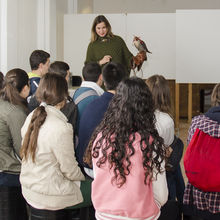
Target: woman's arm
x=160, y=188
x=15, y=121
x=64, y=152
x=90, y=55
x=127, y=55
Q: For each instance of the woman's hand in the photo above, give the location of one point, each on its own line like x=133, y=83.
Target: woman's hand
x=105, y=59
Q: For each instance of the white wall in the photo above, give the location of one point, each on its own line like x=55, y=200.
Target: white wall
x=151, y=6
x=26, y=25
x=197, y=46
x=61, y=9
x=26, y=33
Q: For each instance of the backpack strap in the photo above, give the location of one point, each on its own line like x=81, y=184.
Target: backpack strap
x=84, y=95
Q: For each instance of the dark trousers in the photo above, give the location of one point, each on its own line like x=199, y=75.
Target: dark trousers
x=40, y=214
x=176, y=185
x=170, y=211
x=81, y=211
x=12, y=204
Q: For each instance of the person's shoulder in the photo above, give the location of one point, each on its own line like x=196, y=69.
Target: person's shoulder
x=199, y=119
x=92, y=43
x=163, y=116
x=56, y=119
x=8, y=109
x=118, y=38
x=91, y=108
x=33, y=75
x=81, y=90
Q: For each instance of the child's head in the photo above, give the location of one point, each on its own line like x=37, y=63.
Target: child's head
x=215, y=97
x=60, y=68
x=40, y=60
x=160, y=90
x=53, y=89
x=133, y=102
x=113, y=74
x=16, y=87
x=91, y=72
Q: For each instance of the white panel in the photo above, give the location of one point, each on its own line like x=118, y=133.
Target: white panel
x=27, y=32
x=3, y=36
x=198, y=46
x=158, y=32
x=12, y=34
x=77, y=34
x=41, y=24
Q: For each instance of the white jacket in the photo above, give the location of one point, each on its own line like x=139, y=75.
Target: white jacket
x=165, y=127
x=52, y=182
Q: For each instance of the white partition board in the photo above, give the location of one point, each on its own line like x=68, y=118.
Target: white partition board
x=77, y=34
x=158, y=32
x=198, y=46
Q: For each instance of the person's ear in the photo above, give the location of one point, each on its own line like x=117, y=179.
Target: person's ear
x=100, y=81
x=25, y=91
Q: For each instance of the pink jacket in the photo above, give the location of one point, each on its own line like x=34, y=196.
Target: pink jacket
x=134, y=199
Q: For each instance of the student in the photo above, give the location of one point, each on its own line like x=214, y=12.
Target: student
x=50, y=176
x=70, y=109
x=128, y=157
x=112, y=74
x=90, y=88
x=13, y=112
x=105, y=46
x=160, y=90
x=200, y=205
x=39, y=62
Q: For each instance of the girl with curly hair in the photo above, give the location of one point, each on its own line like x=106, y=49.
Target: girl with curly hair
x=128, y=157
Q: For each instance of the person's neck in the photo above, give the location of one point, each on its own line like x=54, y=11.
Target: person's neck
x=37, y=72
x=111, y=91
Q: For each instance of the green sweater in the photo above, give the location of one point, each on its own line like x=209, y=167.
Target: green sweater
x=115, y=47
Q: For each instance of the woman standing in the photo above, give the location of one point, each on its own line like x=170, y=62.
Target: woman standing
x=13, y=112
x=105, y=46
x=128, y=157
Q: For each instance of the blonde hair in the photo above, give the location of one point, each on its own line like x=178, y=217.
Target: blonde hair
x=99, y=19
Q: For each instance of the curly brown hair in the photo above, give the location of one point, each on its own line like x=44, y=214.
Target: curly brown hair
x=131, y=111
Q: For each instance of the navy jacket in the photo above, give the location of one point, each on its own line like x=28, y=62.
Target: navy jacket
x=90, y=119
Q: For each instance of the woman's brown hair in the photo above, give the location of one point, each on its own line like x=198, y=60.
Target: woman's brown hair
x=14, y=82
x=99, y=19
x=215, y=97
x=52, y=90
x=160, y=90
